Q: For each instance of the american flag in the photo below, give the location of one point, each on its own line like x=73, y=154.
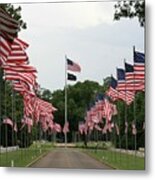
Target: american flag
x=121, y=85
x=57, y=127
x=81, y=127
x=129, y=73
x=139, y=65
x=72, y=66
x=9, y=27
x=5, y=49
x=139, y=69
x=99, y=103
x=132, y=83
x=115, y=94
x=27, y=121
x=8, y=121
x=107, y=109
x=66, y=128
x=19, y=68
x=18, y=54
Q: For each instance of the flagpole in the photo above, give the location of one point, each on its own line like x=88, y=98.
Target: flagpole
x=126, y=121
x=0, y=109
x=65, y=98
x=134, y=113
x=12, y=115
x=6, y=126
x=0, y=113
x=119, y=121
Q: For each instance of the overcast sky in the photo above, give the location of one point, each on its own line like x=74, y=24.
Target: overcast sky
x=86, y=33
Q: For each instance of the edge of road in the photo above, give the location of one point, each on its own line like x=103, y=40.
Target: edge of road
x=107, y=164
x=35, y=160
x=82, y=150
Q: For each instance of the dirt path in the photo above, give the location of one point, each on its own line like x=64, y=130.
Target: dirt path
x=68, y=158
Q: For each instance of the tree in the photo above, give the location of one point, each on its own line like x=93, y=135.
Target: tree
x=130, y=9
x=79, y=97
x=15, y=13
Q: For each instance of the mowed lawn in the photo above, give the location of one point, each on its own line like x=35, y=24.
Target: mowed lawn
x=24, y=156
x=118, y=160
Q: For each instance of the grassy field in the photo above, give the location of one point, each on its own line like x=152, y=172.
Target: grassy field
x=23, y=157
x=117, y=160
x=123, y=161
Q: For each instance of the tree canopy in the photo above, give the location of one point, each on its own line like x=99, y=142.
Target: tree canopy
x=130, y=9
x=15, y=13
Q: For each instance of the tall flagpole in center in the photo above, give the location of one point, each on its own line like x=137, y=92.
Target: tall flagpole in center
x=65, y=98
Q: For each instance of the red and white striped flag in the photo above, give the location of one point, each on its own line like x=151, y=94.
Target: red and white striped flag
x=9, y=27
x=72, y=66
x=57, y=127
x=66, y=127
x=8, y=121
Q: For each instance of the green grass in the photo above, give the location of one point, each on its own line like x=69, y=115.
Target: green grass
x=117, y=160
x=24, y=156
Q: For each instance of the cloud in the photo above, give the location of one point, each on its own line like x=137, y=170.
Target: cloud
x=78, y=15
x=86, y=33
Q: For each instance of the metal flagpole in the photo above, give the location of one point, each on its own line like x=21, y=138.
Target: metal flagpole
x=0, y=113
x=134, y=113
x=126, y=122
x=0, y=110
x=65, y=98
x=6, y=128
x=13, y=116
x=119, y=124
x=15, y=119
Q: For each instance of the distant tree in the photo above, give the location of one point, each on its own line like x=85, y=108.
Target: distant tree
x=79, y=97
x=130, y=9
x=45, y=94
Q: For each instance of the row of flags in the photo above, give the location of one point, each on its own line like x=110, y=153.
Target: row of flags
x=54, y=127
x=101, y=108
x=130, y=80
x=17, y=70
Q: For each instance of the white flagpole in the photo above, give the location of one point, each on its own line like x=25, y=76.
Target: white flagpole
x=65, y=98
